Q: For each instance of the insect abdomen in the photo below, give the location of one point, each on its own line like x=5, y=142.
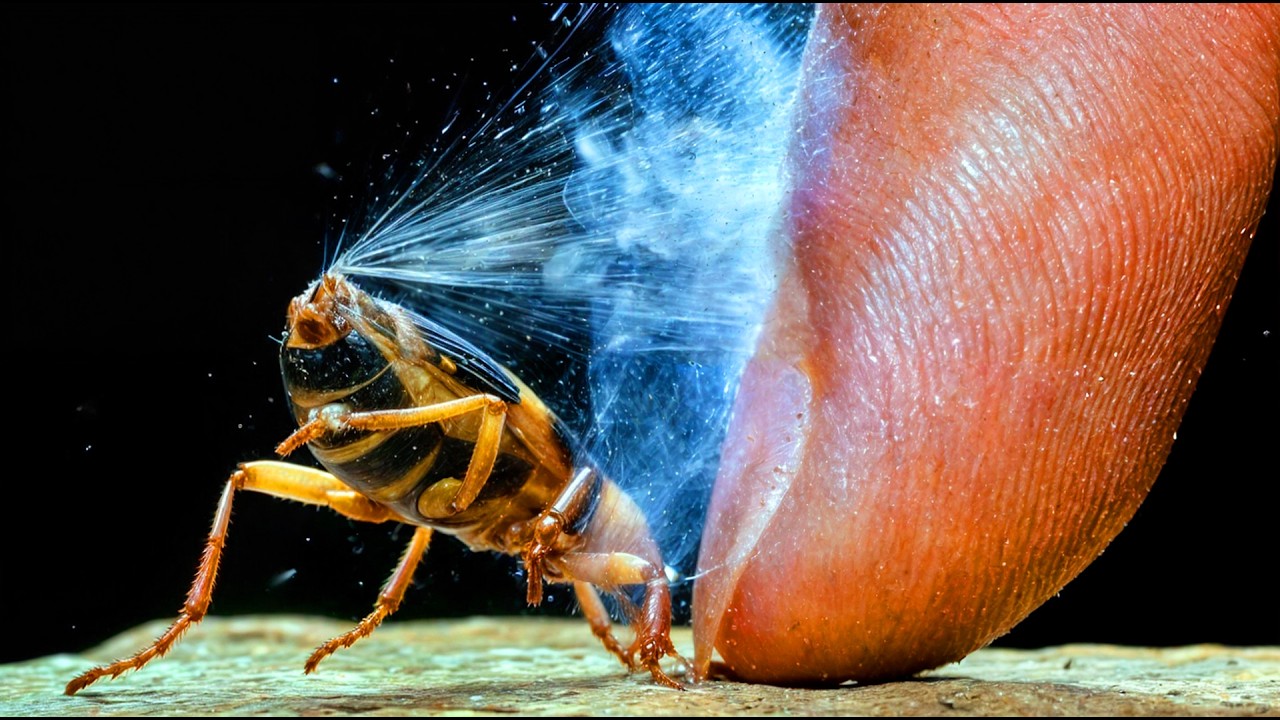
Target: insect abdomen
x=395, y=467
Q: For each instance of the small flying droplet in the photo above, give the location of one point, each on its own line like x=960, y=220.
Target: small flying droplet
x=283, y=577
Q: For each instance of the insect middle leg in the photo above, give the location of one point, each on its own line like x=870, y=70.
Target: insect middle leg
x=388, y=600
x=597, y=616
x=447, y=497
x=284, y=480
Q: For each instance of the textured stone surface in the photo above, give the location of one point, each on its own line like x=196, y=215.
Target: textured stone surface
x=535, y=666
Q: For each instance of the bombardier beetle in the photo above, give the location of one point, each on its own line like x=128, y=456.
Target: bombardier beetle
x=414, y=424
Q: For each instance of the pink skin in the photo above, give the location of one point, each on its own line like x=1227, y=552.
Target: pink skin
x=1012, y=237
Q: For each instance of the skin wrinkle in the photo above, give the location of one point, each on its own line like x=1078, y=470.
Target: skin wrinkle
x=1075, y=299
x=1103, y=281
x=1107, y=265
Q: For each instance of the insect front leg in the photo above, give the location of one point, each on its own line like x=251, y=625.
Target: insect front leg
x=594, y=535
x=292, y=482
x=653, y=621
x=597, y=616
x=552, y=528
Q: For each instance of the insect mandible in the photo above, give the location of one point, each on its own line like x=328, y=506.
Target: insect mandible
x=416, y=425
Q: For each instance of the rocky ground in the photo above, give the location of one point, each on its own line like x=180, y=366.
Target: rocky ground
x=536, y=666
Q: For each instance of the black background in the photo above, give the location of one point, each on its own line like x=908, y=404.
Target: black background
x=163, y=204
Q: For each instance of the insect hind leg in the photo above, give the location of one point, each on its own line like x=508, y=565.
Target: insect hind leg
x=284, y=480
x=193, y=610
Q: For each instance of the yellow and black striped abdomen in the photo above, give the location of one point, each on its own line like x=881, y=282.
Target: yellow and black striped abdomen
x=395, y=467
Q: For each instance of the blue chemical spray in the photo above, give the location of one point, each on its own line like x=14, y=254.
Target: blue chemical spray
x=608, y=233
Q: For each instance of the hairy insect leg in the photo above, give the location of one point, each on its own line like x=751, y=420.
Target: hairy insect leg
x=553, y=552
x=548, y=535
x=452, y=496
x=388, y=600
x=598, y=617
x=653, y=623
x=292, y=482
